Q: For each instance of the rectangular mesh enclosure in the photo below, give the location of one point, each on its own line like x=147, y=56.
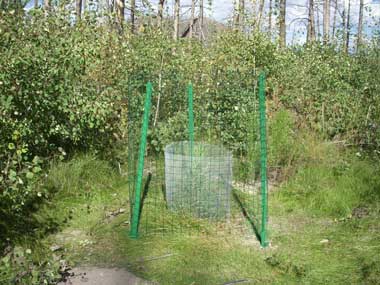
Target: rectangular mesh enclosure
x=201, y=170
x=198, y=179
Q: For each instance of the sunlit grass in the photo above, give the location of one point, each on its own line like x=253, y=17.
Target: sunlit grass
x=95, y=233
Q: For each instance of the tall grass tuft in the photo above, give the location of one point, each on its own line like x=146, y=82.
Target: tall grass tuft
x=333, y=189
x=82, y=173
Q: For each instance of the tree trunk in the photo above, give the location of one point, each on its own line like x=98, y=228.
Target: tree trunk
x=318, y=22
x=192, y=18
x=110, y=5
x=348, y=26
x=344, y=25
x=311, y=23
x=47, y=5
x=133, y=11
x=261, y=11
x=120, y=5
x=360, y=26
x=160, y=15
x=176, y=19
x=270, y=18
x=282, y=23
x=334, y=20
x=242, y=14
x=201, y=20
x=326, y=21
x=201, y=12
x=78, y=9
x=239, y=15
x=236, y=15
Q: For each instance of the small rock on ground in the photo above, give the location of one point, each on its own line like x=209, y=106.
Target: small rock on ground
x=103, y=276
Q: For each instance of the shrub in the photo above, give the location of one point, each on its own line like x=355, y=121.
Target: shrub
x=332, y=92
x=19, y=266
x=50, y=104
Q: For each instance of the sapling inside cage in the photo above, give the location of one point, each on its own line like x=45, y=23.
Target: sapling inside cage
x=191, y=182
x=198, y=179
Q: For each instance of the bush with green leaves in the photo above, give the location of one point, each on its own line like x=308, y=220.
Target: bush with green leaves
x=18, y=266
x=51, y=102
x=334, y=93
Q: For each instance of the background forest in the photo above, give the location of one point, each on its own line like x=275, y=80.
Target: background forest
x=66, y=70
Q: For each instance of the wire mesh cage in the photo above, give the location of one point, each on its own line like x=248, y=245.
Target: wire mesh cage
x=201, y=168
x=198, y=179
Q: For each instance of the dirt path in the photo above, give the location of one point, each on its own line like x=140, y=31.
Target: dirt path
x=103, y=276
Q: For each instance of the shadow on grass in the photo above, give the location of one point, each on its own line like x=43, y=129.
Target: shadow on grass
x=246, y=215
x=15, y=227
x=144, y=195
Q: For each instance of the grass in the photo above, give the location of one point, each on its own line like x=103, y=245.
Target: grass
x=313, y=205
x=334, y=187
x=296, y=254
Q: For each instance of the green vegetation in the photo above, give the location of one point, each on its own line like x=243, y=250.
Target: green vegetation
x=82, y=191
x=65, y=91
x=334, y=188
x=320, y=232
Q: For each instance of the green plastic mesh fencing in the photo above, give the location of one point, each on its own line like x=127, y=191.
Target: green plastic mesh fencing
x=198, y=164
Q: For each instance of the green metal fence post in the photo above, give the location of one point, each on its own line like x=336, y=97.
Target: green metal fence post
x=191, y=114
x=263, y=151
x=140, y=165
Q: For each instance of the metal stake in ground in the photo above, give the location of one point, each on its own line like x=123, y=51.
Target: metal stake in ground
x=191, y=116
x=140, y=166
x=263, y=151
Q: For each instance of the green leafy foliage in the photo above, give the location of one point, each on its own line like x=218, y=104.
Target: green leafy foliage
x=334, y=93
x=50, y=103
x=19, y=266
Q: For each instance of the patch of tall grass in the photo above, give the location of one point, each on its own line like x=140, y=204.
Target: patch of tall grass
x=331, y=182
x=82, y=173
x=323, y=178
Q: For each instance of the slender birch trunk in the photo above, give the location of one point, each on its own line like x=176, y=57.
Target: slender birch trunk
x=326, y=21
x=360, y=26
x=160, y=15
x=282, y=23
x=176, y=19
x=311, y=23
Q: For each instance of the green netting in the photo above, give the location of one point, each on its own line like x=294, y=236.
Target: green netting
x=205, y=169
